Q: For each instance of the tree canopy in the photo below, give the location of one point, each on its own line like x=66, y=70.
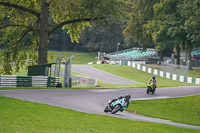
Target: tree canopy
x=165, y=23
x=27, y=26
x=38, y=19
x=142, y=12
x=103, y=38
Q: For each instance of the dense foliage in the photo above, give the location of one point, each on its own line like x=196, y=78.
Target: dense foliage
x=165, y=24
x=38, y=19
x=94, y=25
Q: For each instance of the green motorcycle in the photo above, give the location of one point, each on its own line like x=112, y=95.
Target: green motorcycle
x=151, y=87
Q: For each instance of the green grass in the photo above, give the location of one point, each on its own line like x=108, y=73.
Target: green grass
x=193, y=73
x=22, y=72
x=103, y=85
x=25, y=117
x=137, y=75
x=79, y=58
x=181, y=110
x=75, y=73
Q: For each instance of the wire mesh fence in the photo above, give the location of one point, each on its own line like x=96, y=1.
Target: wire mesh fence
x=83, y=81
x=175, y=69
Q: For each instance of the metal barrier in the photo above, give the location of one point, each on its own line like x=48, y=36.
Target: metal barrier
x=28, y=81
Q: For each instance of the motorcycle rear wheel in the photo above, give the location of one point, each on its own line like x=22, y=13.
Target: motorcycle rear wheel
x=153, y=90
x=116, y=109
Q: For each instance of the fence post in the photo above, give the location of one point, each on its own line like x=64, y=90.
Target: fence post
x=67, y=74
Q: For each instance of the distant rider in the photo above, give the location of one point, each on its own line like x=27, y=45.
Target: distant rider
x=153, y=80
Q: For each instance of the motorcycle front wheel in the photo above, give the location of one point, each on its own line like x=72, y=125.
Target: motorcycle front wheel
x=106, y=109
x=116, y=109
x=148, y=90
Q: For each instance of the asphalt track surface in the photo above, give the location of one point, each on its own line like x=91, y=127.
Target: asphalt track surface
x=94, y=100
x=101, y=75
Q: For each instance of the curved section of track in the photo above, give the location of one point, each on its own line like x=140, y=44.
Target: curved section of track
x=93, y=101
x=101, y=75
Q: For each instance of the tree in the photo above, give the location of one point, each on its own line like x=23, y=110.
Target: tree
x=190, y=12
x=158, y=30
x=166, y=26
x=20, y=18
x=103, y=38
x=142, y=12
x=176, y=23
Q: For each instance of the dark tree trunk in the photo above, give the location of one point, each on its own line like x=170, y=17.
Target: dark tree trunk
x=189, y=49
x=160, y=56
x=178, y=55
x=43, y=43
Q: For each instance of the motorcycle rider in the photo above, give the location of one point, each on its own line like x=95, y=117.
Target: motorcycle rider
x=127, y=98
x=123, y=100
x=153, y=80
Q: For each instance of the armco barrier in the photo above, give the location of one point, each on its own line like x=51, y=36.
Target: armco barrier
x=164, y=74
x=28, y=81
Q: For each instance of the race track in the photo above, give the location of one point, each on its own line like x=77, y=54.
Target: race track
x=94, y=100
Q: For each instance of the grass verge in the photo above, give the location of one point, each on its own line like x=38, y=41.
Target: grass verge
x=79, y=58
x=182, y=110
x=193, y=73
x=21, y=117
x=137, y=75
x=103, y=85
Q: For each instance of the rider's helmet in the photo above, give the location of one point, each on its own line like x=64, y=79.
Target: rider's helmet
x=119, y=97
x=128, y=96
x=153, y=77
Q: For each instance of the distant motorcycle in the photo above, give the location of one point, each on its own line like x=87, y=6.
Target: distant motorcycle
x=116, y=105
x=151, y=87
